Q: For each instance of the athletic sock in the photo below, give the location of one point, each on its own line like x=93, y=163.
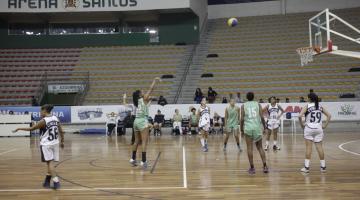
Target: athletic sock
x=134, y=155
x=238, y=144
x=264, y=164
x=143, y=156
x=56, y=179
x=225, y=144
x=307, y=163
x=322, y=163
x=47, y=178
x=275, y=142
x=267, y=142
x=202, y=140
x=251, y=166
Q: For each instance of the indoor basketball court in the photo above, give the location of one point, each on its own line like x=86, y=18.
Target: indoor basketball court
x=135, y=99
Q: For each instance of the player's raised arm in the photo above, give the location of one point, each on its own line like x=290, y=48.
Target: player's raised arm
x=152, y=86
x=39, y=125
x=124, y=99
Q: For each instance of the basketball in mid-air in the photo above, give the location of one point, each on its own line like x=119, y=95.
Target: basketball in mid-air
x=232, y=22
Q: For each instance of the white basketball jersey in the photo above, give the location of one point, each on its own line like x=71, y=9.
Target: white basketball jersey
x=313, y=116
x=273, y=112
x=49, y=135
x=204, y=116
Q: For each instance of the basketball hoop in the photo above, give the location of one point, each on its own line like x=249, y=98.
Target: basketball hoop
x=306, y=55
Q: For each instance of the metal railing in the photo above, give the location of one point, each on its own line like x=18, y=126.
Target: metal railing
x=186, y=71
x=190, y=61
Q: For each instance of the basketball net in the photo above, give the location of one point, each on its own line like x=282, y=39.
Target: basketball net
x=306, y=55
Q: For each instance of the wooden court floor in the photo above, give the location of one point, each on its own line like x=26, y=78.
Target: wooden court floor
x=96, y=167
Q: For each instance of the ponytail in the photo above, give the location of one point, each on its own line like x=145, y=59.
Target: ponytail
x=315, y=99
x=136, y=97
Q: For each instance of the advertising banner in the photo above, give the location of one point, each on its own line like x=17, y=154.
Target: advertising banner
x=89, y=5
x=98, y=114
x=62, y=112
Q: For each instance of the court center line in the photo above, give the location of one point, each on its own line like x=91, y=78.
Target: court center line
x=351, y=152
x=184, y=168
x=5, y=152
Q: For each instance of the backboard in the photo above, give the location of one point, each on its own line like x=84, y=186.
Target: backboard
x=321, y=31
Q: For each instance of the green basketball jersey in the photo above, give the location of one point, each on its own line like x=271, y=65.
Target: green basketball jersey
x=252, y=120
x=232, y=117
x=142, y=110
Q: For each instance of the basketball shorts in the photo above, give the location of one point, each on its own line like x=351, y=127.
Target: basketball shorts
x=49, y=153
x=140, y=124
x=205, y=127
x=254, y=134
x=313, y=134
x=232, y=129
x=272, y=124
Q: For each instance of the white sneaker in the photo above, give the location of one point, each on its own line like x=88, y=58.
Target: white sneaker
x=323, y=169
x=305, y=170
x=266, y=147
x=144, y=165
x=133, y=162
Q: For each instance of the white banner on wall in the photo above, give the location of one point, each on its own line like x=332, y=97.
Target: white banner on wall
x=340, y=111
x=89, y=5
x=65, y=88
x=97, y=114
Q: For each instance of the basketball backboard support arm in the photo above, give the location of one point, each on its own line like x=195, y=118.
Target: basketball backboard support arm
x=323, y=28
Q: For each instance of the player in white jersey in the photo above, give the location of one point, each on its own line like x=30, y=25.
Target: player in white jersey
x=203, y=115
x=274, y=112
x=50, y=129
x=313, y=130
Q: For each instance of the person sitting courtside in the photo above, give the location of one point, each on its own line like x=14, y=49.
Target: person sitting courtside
x=158, y=123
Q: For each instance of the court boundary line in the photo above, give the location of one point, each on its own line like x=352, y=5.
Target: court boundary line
x=88, y=189
x=348, y=151
x=11, y=150
x=184, y=169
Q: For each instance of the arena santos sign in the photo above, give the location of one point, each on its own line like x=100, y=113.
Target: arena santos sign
x=89, y=5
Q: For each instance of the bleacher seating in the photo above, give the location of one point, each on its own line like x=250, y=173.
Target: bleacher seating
x=259, y=55
x=22, y=71
x=117, y=70
x=113, y=70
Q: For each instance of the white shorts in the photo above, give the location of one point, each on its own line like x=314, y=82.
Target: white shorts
x=313, y=134
x=205, y=127
x=271, y=125
x=49, y=153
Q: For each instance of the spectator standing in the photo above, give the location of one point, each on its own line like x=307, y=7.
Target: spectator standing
x=238, y=98
x=162, y=101
x=198, y=95
x=224, y=100
x=212, y=95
